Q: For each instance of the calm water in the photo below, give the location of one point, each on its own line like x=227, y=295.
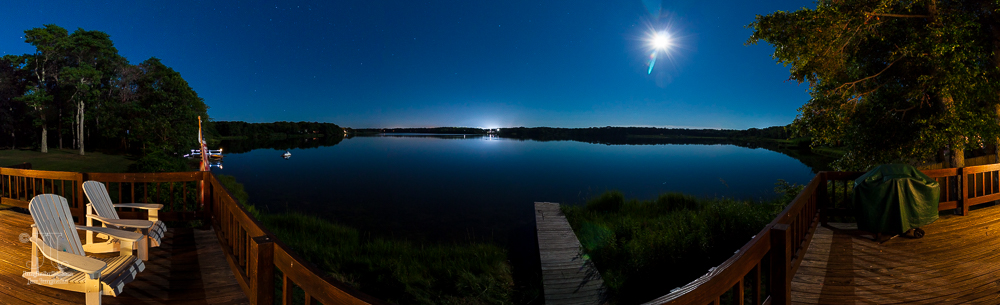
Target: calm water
x=444, y=189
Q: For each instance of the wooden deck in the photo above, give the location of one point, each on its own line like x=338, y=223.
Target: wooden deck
x=567, y=277
x=189, y=268
x=957, y=262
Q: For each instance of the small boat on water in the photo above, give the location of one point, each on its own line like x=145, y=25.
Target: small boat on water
x=286, y=154
x=216, y=154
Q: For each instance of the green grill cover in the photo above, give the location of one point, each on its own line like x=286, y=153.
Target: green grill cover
x=894, y=198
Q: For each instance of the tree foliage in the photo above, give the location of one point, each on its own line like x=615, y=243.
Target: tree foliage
x=891, y=80
x=78, y=80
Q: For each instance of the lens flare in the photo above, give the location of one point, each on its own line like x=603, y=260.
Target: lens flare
x=652, y=61
x=658, y=41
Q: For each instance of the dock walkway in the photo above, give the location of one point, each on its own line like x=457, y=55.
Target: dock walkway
x=957, y=262
x=188, y=268
x=567, y=277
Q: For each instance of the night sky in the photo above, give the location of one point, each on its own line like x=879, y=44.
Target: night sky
x=449, y=63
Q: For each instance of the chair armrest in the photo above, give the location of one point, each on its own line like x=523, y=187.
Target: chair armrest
x=123, y=235
x=152, y=208
x=144, y=206
x=123, y=223
x=82, y=263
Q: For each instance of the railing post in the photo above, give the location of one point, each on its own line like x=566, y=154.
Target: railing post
x=823, y=202
x=261, y=269
x=207, y=199
x=963, y=188
x=201, y=190
x=781, y=291
x=80, y=205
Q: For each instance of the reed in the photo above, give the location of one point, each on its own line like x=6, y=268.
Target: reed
x=394, y=270
x=645, y=248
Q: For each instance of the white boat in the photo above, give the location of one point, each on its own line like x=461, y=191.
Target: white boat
x=286, y=154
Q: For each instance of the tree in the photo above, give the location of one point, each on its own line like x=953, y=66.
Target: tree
x=169, y=108
x=90, y=55
x=12, y=85
x=49, y=43
x=892, y=80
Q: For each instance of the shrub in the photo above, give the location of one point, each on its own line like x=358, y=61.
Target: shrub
x=159, y=162
x=610, y=201
x=394, y=270
x=644, y=248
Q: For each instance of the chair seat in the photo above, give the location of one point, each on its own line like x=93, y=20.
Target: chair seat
x=120, y=271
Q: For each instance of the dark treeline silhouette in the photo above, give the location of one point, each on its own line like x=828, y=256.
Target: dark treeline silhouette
x=246, y=145
x=277, y=130
x=77, y=91
x=432, y=130
x=605, y=135
x=646, y=135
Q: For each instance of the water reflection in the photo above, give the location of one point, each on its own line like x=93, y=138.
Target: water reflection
x=449, y=188
x=441, y=187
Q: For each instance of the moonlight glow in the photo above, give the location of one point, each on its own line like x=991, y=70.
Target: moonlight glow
x=658, y=41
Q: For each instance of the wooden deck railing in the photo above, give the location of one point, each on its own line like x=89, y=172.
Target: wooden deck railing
x=776, y=252
x=253, y=253
x=180, y=193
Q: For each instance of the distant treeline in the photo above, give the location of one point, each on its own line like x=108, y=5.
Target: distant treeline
x=611, y=135
x=246, y=145
x=276, y=130
x=434, y=130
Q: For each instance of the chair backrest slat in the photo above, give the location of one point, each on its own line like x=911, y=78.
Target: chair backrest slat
x=55, y=223
x=97, y=193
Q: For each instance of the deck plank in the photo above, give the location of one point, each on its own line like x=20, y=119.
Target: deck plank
x=188, y=268
x=957, y=262
x=567, y=277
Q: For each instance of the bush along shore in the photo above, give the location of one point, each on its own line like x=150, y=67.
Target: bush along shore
x=397, y=271
x=645, y=248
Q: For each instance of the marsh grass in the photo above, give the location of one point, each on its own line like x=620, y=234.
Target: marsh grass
x=397, y=271
x=645, y=248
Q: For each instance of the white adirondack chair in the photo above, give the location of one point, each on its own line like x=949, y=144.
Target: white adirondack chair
x=54, y=235
x=100, y=202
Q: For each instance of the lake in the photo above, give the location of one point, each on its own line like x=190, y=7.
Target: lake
x=461, y=188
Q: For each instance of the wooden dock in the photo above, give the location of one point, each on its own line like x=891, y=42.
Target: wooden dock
x=567, y=277
x=188, y=268
x=957, y=262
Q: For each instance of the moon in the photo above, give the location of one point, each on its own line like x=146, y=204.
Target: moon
x=660, y=41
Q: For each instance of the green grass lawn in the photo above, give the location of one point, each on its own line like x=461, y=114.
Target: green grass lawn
x=67, y=160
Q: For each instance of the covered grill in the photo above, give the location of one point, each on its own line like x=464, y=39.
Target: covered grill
x=895, y=198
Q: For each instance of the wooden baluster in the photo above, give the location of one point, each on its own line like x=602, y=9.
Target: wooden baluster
x=243, y=246
x=965, y=194
x=755, y=293
x=738, y=293
x=286, y=290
